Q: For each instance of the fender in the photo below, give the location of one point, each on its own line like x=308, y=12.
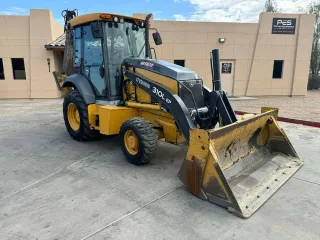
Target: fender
x=82, y=84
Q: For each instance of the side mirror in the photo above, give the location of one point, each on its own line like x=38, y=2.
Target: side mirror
x=101, y=71
x=157, y=38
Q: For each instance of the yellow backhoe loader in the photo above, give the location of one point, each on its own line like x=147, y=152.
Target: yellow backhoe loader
x=114, y=86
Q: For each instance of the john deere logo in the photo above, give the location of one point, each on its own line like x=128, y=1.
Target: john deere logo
x=148, y=64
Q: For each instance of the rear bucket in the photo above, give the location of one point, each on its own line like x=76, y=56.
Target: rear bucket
x=241, y=165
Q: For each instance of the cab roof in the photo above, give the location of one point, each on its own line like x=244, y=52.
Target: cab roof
x=87, y=18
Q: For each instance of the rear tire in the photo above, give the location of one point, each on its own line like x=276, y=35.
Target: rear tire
x=138, y=140
x=75, y=114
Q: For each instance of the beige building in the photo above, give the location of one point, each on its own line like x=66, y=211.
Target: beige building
x=267, y=58
x=24, y=70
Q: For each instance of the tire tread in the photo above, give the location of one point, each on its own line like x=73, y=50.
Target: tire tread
x=87, y=134
x=148, y=136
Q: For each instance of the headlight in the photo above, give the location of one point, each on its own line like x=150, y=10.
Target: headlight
x=121, y=20
x=116, y=19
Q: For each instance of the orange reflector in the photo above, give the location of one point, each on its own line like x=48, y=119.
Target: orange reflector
x=105, y=16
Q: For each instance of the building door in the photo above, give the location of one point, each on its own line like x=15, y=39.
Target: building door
x=227, y=75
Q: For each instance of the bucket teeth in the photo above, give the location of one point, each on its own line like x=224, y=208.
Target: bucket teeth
x=241, y=165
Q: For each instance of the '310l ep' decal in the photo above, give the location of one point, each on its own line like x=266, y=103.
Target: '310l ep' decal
x=160, y=94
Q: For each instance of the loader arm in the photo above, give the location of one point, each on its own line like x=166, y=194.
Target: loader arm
x=169, y=100
x=218, y=104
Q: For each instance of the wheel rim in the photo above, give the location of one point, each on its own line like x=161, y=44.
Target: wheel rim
x=131, y=142
x=73, y=117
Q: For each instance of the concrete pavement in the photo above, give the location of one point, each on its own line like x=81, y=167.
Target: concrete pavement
x=52, y=187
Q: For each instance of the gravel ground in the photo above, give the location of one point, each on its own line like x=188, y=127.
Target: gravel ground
x=303, y=108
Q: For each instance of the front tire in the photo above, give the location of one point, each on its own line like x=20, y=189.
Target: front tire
x=138, y=140
x=75, y=113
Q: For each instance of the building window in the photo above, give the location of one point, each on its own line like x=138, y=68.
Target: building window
x=179, y=62
x=1, y=70
x=18, y=69
x=277, y=69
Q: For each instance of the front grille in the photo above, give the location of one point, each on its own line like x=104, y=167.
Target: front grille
x=195, y=87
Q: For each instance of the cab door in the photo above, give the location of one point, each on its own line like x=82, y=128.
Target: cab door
x=89, y=54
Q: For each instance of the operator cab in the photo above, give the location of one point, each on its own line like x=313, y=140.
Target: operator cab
x=101, y=46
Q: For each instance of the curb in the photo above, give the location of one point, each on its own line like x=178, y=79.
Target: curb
x=290, y=120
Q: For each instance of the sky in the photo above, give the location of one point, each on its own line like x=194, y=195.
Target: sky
x=181, y=10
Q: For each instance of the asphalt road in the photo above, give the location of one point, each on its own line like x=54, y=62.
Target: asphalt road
x=52, y=187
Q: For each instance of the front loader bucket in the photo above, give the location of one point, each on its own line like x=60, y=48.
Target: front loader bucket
x=241, y=165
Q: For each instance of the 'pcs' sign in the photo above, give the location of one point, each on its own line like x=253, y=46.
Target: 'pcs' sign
x=284, y=26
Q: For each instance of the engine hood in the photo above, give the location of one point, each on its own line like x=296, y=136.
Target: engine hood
x=162, y=67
